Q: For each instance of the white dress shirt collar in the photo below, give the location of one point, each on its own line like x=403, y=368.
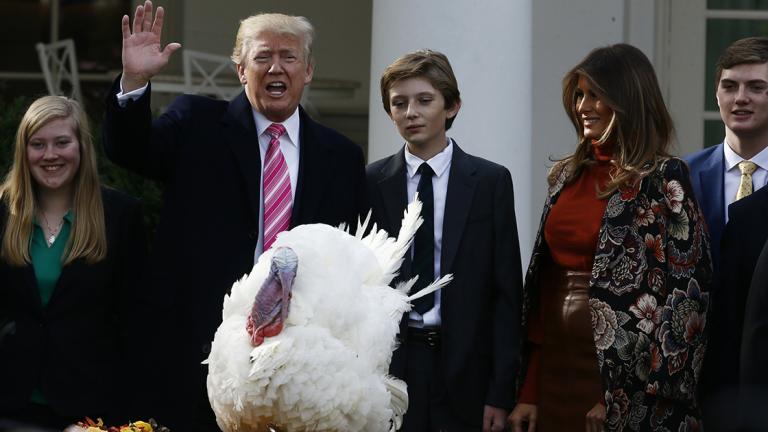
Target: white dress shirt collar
x=291, y=125
x=732, y=158
x=732, y=174
x=439, y=162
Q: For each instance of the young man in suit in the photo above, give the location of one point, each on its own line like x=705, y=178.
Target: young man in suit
x=235, y=174
x=718, y=172
x=459, y=350
x=724, y=178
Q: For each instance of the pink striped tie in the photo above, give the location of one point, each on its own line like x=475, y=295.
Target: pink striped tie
x=277, y=188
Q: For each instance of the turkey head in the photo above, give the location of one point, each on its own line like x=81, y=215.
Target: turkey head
x=272, y=303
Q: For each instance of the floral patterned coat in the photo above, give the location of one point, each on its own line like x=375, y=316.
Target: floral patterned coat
x=648, y=298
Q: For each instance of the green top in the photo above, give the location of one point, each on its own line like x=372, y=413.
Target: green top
x=46, y=262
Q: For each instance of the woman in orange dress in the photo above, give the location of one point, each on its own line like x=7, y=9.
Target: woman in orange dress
x=615, y=297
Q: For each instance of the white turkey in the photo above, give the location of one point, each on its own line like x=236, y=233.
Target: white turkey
x=307, y=337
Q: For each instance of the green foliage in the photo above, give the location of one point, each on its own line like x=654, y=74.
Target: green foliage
x=112, y=175
x=10, y=115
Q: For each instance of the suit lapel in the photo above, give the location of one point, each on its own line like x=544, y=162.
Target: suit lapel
x=240, y=134
x=711, y=179
x=76, y=267
x=764, y=199
x=394, y=191
x=25, y=282
x=30, y=288
x=316, y=162
x=461, y=188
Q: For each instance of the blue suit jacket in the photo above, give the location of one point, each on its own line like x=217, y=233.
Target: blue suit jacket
x=707, y=168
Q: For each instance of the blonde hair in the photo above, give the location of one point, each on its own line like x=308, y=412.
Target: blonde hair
x=88, y=238
x=250, y=28
x=641, y=127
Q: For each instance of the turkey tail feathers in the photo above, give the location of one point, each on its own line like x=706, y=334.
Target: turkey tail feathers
x=363, y=226
x=398, y=391
x=405, y=286
x=434, y=286
x=388, y=250
x=411, y=222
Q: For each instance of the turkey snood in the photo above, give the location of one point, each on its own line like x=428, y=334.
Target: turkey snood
x=272, y=303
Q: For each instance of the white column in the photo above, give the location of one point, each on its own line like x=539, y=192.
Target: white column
x=489, y=45
x=563, y=33
x=509, y=57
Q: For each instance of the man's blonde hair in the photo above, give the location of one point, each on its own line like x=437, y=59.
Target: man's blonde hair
x=250, y=28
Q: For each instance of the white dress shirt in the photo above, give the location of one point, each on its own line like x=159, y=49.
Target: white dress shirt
x=732, y=174
x=289, y=146
x=440, y=164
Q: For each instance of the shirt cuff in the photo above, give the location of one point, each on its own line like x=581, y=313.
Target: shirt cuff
x=123, y=98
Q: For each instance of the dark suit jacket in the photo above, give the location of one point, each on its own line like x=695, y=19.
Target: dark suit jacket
x=743, y=240
x=754, y=345
x=707, y=169
x=79, y=349
x=206, y=152
x=481, y=307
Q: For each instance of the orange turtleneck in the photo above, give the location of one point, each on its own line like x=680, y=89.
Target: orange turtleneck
x=574, y=222
x=571, y=232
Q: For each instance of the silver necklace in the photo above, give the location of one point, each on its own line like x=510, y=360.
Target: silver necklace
x=52, y=233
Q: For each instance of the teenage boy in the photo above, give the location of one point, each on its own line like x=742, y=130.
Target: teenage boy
x=724, y=178
x=459, y=347
x=734, y=168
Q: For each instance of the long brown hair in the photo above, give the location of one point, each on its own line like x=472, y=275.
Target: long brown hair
x=88, y=239
x=624, y=79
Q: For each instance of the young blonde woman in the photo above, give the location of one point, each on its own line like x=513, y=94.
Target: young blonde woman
x=71, y=252
x=616, y=294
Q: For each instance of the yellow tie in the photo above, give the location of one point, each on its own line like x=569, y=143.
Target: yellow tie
x=745, y=186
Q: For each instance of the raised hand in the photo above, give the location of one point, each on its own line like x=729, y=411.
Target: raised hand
x=143, y=56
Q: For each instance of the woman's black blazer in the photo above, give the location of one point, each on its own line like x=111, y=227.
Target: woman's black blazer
x=81, y=349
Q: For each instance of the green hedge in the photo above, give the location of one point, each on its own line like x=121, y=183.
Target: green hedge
x=147, y=191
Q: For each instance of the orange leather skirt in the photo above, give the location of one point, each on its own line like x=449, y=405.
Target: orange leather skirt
x=570, y=384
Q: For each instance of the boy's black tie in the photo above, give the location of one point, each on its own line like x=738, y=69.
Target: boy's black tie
x=424, y=245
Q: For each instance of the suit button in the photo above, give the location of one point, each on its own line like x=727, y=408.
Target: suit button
x=206, y=348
